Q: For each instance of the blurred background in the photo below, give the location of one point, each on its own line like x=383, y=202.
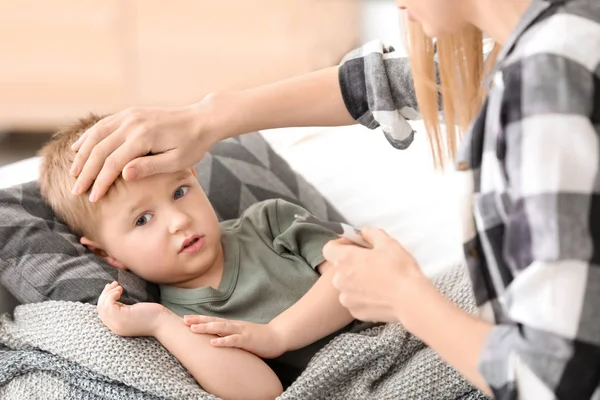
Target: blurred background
x=62, y=59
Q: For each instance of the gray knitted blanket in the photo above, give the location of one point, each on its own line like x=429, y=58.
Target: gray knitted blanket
x=61, y=350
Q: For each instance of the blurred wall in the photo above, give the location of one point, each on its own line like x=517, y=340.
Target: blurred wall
x=381, y=20
x=61, y=59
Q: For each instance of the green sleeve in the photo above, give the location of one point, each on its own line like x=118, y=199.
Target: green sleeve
x=300, y=238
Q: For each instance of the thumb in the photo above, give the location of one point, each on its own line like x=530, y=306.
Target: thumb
x=375, y=237
x=143, y=167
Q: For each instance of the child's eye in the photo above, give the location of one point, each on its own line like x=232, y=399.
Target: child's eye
x=143, y=220
x=180, y=192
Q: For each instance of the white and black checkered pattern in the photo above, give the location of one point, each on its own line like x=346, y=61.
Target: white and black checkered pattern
x=531, y=171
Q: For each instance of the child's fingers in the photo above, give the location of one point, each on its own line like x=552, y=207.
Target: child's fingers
x=200, y=319
x=102, y=295
x=228, y=341
x=108, y=287
x=105, y=291
x=221, y=328
x=115, y=294
x=110, y=296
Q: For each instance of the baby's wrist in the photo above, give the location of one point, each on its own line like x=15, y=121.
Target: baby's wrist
x=280, y=338
x=162, y=321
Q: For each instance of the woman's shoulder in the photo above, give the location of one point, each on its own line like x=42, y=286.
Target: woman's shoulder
x=554, y=66
x=570, y=31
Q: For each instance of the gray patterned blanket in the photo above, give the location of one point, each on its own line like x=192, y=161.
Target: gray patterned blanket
x=61, y=350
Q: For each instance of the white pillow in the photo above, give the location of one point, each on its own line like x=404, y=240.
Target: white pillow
x=10, y=175
x=14, y=174
x=19, y=172
x=373, y=184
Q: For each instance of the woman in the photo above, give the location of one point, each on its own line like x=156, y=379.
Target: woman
x=530, y=164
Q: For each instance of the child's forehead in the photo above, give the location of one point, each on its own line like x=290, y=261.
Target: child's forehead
x=123, y=192
x=169, y=178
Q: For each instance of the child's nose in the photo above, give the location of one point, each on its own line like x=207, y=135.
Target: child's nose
x=179, y=221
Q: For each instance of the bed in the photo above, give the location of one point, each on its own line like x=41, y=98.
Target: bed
x=369, y=183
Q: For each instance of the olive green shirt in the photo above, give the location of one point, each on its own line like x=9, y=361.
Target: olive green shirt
x=270, y=263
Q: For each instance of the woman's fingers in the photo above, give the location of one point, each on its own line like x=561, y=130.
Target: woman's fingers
x=377, y=237
x=140, y=142
x=113, y=164
x=95, y=162
x=88, y=141
x=93, y=131
x=143, y=167
x=339, y=253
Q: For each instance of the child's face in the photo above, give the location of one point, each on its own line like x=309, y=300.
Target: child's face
x=162, y=228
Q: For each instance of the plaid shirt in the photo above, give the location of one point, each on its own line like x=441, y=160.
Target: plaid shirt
x=531, y=208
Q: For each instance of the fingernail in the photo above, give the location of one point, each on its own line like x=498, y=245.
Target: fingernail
x=133, y=173
x=73, y=170
x=74, y=145
x=75, y=189
x=93, y=197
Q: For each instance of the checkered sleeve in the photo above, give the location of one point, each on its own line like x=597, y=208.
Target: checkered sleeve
x=378, y=90
x=550, y=119
x=377, y=87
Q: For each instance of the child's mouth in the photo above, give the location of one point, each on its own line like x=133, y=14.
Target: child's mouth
x=193, y=244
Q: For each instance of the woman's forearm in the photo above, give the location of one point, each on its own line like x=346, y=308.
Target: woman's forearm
x=455, y=335
x=313, y=99
x=224, y=372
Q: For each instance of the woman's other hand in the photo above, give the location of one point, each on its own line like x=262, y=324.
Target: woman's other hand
x=375, y=284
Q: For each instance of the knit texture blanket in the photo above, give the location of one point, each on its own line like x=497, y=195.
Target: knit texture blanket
x=61, y=350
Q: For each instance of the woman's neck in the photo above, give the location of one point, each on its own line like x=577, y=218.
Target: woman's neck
x=497, y=18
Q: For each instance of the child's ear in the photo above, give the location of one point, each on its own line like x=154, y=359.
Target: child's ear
x=97, y=250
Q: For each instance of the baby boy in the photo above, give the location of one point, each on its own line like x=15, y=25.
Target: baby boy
x=244, y=304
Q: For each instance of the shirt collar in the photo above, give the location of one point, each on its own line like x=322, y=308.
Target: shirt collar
x=535, y=9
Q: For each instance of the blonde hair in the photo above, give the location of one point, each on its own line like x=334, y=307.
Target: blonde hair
x=461, y=69
x=56, y=181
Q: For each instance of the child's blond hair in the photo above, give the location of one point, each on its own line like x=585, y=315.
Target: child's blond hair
x=56, y=181
x=462, y=70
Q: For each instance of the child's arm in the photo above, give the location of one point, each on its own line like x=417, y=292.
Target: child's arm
x=317, y=314
x=226, y=373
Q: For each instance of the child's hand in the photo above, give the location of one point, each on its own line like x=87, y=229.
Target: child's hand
x=142, y=319
x=259, y=339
